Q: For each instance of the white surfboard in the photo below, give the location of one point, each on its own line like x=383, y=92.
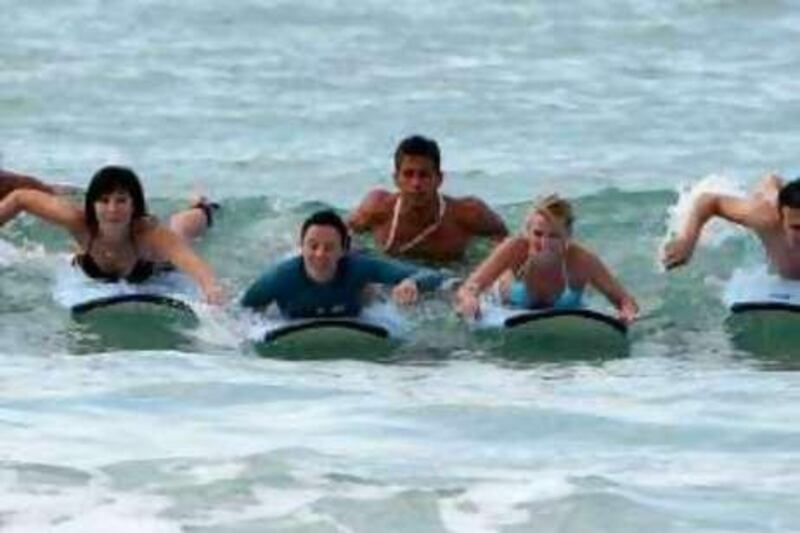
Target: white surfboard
x=556, y=332
x=765, y=311
x=155, y=315
x=81, y=295
x=757, y=291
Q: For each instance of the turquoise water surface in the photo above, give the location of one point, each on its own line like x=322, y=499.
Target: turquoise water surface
x=277, y=108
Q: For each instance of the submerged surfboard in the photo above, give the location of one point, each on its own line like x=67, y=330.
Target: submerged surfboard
x=372, y=335
x=341, y=328
x=556, y=332
x=764, y=312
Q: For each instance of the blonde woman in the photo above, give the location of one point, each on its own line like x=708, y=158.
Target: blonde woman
x=544, y=268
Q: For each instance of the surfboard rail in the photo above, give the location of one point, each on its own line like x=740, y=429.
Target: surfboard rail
x=108, y=301
x=746, y=307
x=359, y=326
x=588, y=314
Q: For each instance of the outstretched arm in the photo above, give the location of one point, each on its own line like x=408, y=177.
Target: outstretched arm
x=679, y=250
x=53, y=209
x=509, y=255
x=263, y=291
x=11, y=181
x=601, y=278
x=170, y=246
x=407, y=279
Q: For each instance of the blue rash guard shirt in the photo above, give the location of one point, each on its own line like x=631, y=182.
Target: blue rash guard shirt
x=298, y=296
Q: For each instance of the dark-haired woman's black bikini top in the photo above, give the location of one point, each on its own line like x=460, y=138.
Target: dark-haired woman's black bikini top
x=141, y=271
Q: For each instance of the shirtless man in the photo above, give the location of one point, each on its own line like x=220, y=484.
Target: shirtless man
x=772, y=212
x=418, y=221
x=10, y=181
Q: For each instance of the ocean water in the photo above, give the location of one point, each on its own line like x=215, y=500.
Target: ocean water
x=276, y=108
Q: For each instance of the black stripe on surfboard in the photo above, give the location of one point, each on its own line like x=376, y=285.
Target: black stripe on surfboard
x=109, y=301
x=743, y=307
x=532, y=316
x=341, y=323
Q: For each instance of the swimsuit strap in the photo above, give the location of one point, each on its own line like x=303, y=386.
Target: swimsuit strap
x=89, y=245
x=519, y=274
x=393, y=227
x=421, y=235
x=141, y=270
x=564, y=271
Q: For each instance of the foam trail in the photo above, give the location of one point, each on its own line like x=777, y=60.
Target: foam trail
x=8, y=253
x=216, y=326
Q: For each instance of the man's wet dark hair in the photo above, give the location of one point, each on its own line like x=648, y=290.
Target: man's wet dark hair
x=111, y=179
x=789, y=195
x=327, y=217
x=419, y=146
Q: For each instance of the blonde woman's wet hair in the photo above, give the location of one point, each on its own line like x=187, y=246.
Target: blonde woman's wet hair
x=556, y=209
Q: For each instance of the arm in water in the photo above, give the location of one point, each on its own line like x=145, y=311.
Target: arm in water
x=264, y=290
x=167, y=244
x=604, y=281
x=509, y=255
x=407, y=280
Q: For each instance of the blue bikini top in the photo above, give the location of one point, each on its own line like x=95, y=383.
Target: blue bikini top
x=569, y=298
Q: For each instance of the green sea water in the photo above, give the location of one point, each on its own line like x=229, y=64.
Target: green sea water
x=276, y=109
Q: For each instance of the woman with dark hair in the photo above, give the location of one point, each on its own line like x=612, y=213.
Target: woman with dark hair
x=119, y=240
x=325, y=280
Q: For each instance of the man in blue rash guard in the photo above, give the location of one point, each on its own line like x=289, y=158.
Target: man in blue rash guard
x=327, y=281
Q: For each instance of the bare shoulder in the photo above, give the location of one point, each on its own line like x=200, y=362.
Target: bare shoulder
x=758, y=212
x=515, y=247
x=377, y=198
x=376, y=206
x=468, y=205
x=475, y=214
x=148, y=229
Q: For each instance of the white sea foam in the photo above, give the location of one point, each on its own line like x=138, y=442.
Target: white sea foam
x=254, y=325
x=90, y=509
x=488, y=506
x=759, y=285
x=8, y=253
x=217, y=327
